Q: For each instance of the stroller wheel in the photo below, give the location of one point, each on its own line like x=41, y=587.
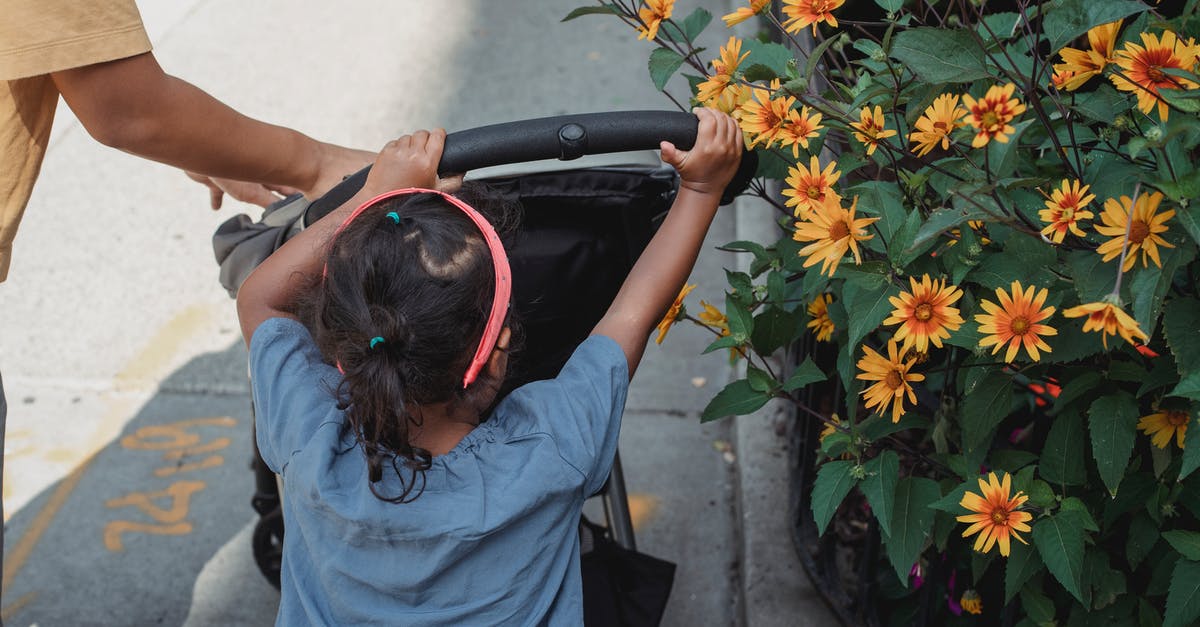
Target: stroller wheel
x=268, y=545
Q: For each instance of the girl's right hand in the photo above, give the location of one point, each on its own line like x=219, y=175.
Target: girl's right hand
x=407, y=161
x=708, y=167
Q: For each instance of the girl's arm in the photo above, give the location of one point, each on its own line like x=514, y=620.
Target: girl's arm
x=271, y=291
x=662, y=268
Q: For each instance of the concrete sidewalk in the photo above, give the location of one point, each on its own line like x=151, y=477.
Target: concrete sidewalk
x=115, y=330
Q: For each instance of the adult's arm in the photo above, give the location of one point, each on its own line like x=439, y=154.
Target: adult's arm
x=133, y=105
x=667, y=261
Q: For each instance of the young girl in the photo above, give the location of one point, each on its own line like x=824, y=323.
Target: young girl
x=403, y=506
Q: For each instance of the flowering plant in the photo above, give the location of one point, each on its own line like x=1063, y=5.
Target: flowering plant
x=987, y=229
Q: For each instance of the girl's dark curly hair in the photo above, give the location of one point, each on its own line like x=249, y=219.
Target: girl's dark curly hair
x=425, y=286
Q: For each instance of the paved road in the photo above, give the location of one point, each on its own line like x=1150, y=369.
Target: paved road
x=127, y=480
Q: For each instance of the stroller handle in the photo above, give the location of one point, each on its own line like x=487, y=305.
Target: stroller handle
x=563, y=137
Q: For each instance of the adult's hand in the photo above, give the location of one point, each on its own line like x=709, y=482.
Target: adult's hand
x=254, y=193
x=335, y=164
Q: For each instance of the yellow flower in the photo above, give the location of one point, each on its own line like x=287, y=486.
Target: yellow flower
x=1079, y=66
x=1141, y=68
x=812, y=187
x=763, y=117
x=971, y=603
x=744, y=13
x=652, y=16
x=798, y=128
x=996, y=516
x=1015, y=321
x=1108, y=319
x=1143, y=230
x=991, y=115
x=831, y=428
x=1064, y=210
x=715, y=318
x=801, y=13
x=1162, y=425
x=1060, y=78
x=821, y=324
x=935, y=125
x=833, y=230
x=925, y=314
x=869, y=129
x=723, y=69
x=891, y=376
x=675, y=312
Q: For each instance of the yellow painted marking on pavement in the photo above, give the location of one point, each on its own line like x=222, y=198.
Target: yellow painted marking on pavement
x=16, y=606
x=213, y=446
x=173, y=435
x=154, y=358
x=642, y=508
x=208, y=462
x=170, y=519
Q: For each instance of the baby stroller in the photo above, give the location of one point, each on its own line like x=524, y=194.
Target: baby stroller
x=582, y=229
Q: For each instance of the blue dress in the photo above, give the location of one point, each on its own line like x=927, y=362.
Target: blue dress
x=492, y=540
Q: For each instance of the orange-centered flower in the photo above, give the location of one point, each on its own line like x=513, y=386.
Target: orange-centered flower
x=1141, y=68
x=934, y=126
x=891, y=376
x=652, y=16
x=1144, y=224
x=869, y=129
x=833, y=230
x=674, y=313
x=1162, y=425
x=744, y=13
x=811, y=187
x=798, y=128
x=1016, y=322
x=763, y=117
x=925, y=314
x=723, y=70
x=1108, y=319
x=831, y=428
x=1060, y=78
x=997, y=517
x=801, y=13
x=1064, y=209
x=821, y=324
x=1082, y=65
x=991, y=115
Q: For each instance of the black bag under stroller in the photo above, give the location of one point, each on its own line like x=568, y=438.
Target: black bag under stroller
x=582, y=229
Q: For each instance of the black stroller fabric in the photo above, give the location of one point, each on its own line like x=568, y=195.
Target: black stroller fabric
x=621, y=587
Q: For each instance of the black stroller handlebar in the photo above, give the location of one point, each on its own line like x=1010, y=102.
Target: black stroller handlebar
x=563, y=137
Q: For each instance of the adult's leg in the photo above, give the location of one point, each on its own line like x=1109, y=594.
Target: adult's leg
x=3, y=414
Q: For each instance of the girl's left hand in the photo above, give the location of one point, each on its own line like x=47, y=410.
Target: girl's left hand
x=408, y=161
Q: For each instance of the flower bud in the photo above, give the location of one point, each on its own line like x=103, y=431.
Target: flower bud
x=1154, y=134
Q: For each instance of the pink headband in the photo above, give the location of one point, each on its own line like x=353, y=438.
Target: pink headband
x=495, y=321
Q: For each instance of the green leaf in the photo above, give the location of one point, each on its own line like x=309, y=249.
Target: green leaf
x=877, y=427
x=879, y=487
x=940, y=222
x=1078, y=387
x=737, y=399
x=891, y=6
x=772, y=57
x=984, y=407
x=1149, y=286
x=1023, y=563
x=1143, y=535
x=695, y=23
x=1074, y=504
x=1059, y=541
x=1183, y=599
x=834, y=481
x=741, y=321
x=1189, y=217
x=1102, y=104
x=759, y=380
x=1191, y=457
x=1181, y=318
x=868, y=309
x=603, y=9
x=1112, y=420
x=1189, y=387
x=939, y=55
x=1073, y=18
x=952, y=501
x=663, y=63
x=1011, y=460
x=1041, y=494
x=1039, y=606
x=727, y=341
x=1062, y=459
x=912, y=519
x=883, y=199
x=774, y=328
x=1093, y=278
x=804, y=374
x=870, y=275
x=1186, y=542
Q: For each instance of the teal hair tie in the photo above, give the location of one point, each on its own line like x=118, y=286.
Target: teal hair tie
x=395, y=218
x=376, y=340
